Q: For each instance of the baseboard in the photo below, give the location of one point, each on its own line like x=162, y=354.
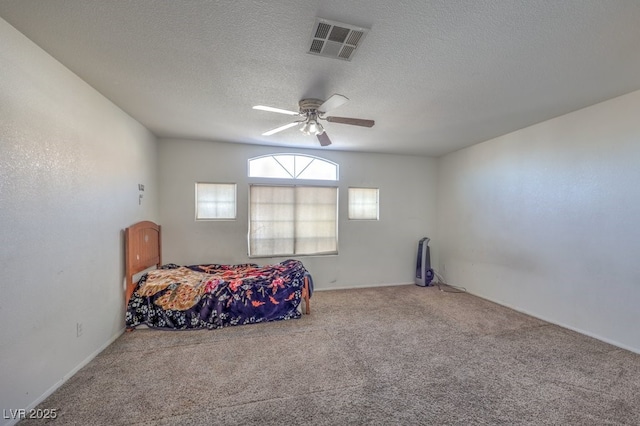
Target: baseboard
x=360, y=286
x=559, y=324
x=67, y=376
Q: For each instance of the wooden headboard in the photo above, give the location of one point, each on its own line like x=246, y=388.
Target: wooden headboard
x=142, y=251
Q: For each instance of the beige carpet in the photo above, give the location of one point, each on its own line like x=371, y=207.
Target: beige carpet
x=391, y=355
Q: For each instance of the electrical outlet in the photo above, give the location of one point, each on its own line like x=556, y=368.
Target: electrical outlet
x=78, y=329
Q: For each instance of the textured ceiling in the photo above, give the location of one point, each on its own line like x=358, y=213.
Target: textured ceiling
x=436, y=76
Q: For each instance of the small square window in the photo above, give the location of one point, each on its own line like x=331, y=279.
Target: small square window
x=215, y=201
x=363, y=203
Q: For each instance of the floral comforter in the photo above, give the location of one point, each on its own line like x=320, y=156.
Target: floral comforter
x=213, y=296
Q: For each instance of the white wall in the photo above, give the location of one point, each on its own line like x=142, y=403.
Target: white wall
x=546, y=220
x=70, y=163
x=370, y=252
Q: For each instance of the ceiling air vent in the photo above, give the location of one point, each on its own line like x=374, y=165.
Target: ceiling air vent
x=335, y=39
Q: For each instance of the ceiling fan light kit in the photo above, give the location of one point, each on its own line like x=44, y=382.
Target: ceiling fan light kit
x=312, y=127
x=309, y=111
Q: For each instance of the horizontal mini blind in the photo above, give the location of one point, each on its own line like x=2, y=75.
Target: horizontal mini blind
x=292, y=220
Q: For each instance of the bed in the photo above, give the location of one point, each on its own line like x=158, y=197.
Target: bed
x=207, y=296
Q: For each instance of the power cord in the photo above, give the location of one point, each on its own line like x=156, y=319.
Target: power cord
x=440, y=283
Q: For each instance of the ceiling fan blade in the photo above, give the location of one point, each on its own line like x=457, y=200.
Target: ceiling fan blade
x=278, y=110
x=333, y=102
x=352, y=121
x=281, y=128
x=324, y=139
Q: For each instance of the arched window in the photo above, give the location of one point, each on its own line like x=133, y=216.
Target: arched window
x=293, y=166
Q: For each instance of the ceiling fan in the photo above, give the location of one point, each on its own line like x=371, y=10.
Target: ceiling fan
x=312, y=110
